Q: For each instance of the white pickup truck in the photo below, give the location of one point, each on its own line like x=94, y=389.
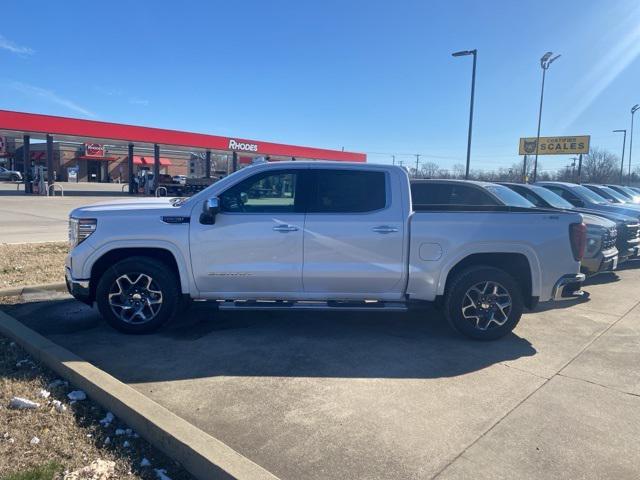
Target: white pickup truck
x=320, y=235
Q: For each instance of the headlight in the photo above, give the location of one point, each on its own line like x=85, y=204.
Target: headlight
x=80, y=229
x=594, y=241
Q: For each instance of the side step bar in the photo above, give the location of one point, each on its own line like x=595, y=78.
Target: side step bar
x=339, y=305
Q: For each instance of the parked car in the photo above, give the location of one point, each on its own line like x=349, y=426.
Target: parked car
x=601, y=254
x=12, y=175
x=626, y=192
x=339, y=236
x=608, y=194
x=465, y=192
x=583, y=198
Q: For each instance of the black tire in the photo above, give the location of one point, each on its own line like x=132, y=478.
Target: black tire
x=163, y=282
x=14, y=178
x=490, y=311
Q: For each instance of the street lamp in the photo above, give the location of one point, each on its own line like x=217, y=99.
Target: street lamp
x=624, y=141
x=546, y=60
x=464, y=53
x=634, y=109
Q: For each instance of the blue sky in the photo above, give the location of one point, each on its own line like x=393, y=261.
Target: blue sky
x=368, y=76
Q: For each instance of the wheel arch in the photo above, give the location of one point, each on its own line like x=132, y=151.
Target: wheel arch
x=103, y=260
x=515, y=264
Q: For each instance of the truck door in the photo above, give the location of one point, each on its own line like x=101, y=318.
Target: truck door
x=354, y=233
x=255, y=245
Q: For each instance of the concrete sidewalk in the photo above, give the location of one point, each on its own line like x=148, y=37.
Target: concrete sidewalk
x=378, y=396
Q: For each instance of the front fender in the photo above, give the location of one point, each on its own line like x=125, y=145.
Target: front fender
x=186, y=279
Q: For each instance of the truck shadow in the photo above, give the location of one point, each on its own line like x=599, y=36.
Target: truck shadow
x=207, y=343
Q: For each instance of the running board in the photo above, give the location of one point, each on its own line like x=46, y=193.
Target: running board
x=281, y=305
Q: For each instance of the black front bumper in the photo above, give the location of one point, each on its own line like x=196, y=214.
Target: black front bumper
x=80, y=289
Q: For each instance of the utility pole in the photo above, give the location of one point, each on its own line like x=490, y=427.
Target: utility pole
x=473, y=89
x=393, y=159
x=417, y=163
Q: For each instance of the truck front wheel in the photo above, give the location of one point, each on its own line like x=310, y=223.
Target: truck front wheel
x=484, y=303
x=138, y=295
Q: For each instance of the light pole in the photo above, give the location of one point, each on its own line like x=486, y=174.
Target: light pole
x=633, y=110
x=473, y=89
x=546, y=60
x=624, y=141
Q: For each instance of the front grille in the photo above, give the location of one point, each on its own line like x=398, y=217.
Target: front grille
x=632, y=233
x=610, y=238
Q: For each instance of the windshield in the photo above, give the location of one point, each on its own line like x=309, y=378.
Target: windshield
x=551, y=198
x=508, y=196
x=630, y=193
x=590, y=195
x=617, y=195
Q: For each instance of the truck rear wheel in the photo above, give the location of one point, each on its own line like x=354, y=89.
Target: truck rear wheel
x=483, y=303
x=138, y=295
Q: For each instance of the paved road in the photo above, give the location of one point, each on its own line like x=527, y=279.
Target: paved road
x=379, y=396
x=33, y=218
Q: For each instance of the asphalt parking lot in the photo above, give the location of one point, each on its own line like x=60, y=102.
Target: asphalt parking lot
x=34, y=218
x=378, y=396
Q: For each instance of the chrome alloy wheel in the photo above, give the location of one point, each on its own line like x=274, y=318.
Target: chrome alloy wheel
x=135, y=298
x=486, y=305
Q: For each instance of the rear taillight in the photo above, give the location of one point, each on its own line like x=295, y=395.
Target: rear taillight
x=578, y=238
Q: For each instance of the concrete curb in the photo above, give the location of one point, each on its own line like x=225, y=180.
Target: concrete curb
x=202, y=455
x=17, y=291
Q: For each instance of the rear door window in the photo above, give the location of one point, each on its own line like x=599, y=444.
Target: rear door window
x=348, y=191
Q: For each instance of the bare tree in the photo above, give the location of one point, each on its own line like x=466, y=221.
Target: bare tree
x=458, y=170
x=599, y=166
x=429, y=169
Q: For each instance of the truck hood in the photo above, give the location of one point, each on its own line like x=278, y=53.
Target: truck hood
x=124, y=206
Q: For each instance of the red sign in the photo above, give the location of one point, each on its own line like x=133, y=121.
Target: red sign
x=93, y=150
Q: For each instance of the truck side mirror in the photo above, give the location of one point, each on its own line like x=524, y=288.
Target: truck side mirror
x=210, y=209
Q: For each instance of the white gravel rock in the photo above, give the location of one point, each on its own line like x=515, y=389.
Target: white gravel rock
x=126, y=444
x=145, y=462
x=59, y=406
x=22, y=403
x=161, y=474
x=44, y=393
x=108, y=418
x=77, y=395
x=35, y=441
x=57, y=383
x=97, y=470
x=119, y=431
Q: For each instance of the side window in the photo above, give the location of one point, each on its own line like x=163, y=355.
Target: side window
x=348, y=191
x=465, y=195
x=567, y=195
x=530, y=196
x=268, y=192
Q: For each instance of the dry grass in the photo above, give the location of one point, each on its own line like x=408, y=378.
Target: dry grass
x=31, y=263
x=68, y=440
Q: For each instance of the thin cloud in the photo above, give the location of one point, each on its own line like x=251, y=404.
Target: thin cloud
x=50, y=96
x=13, y=47
x=139, y=101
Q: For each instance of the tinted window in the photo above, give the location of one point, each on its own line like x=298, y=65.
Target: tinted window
x=268, y=192
x=432, y=193
x=567, y=195
x=528, y=194
x=592, y=196
x=551, y=198
x=348, y=191
x=509, y=197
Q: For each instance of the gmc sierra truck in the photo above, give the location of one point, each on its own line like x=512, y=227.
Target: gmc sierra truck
x=321, y=235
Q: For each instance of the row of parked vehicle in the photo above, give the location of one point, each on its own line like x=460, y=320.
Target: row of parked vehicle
x=610, y=212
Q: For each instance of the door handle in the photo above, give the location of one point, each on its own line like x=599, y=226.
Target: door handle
x=385, y=229
x=285, y=228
